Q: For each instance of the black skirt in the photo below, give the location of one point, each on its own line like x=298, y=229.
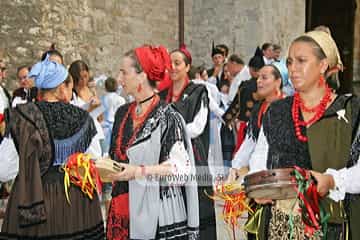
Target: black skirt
x=81, y=219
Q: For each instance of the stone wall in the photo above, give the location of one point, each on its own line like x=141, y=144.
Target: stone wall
x=356, y=64
x=243, y=25
x=99, y=32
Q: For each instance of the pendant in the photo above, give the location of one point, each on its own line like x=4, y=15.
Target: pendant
x=138, y=110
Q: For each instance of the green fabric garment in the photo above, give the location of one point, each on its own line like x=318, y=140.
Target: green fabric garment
x=329, y=145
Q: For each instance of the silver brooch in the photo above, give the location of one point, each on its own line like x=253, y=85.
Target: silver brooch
x=341, y=115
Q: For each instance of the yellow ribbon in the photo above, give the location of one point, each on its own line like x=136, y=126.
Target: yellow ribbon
x=80, y=171
x=236, y=203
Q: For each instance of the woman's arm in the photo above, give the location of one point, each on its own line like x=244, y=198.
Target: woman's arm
x=9, y=160
x=338, y=182
x=197, y=126
x=243, y=155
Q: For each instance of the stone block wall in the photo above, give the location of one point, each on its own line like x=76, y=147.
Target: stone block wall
x=99, y=32
x=356, y=66
x=243, y=25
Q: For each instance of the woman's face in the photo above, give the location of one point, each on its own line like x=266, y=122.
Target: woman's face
x=204, y=75
x=227, y=75
x=179, y=68
x=267, y=84
x=304, y=66
x=268, y=53
x=84, y=77
x=128, y=78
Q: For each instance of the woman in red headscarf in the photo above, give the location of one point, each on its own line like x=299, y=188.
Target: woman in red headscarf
x=150, y=143
x=192, y=102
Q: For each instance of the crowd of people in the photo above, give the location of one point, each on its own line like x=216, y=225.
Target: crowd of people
x=161, y=116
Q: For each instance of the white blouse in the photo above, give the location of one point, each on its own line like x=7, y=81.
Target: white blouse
x=252, y=154
x=197, y=126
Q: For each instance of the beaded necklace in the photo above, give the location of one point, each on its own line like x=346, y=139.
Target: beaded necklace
x=121, y=151
x=319, y=111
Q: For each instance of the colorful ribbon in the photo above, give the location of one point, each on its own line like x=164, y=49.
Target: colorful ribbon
x=80, y=170
x=313, y=214
x=253, y=223
x=235, y=202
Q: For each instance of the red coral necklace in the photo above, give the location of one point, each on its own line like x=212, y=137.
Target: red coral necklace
x=119, y=151
x=319, y=111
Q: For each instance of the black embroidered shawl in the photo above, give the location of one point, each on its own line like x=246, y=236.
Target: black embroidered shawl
x=33, y=131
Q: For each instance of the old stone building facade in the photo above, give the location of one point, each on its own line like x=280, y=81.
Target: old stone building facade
x=99, y=32
x=356, y=71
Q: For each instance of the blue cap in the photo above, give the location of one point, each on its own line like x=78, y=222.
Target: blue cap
x=48, y=74
x=281, y=67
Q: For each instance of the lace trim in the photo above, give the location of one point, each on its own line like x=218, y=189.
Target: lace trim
x=65, y=119
x=32, y=215
x=253, y=130
x=285, y=150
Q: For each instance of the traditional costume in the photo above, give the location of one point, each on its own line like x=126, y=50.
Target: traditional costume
x=153, y=208
x=23, y=95
x=193, y=105
x=41, y=136
x=215, y=158
x=325, y=144
x=216, y=80
x=243, y=103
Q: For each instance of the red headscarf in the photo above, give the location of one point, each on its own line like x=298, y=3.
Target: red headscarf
x=156, y=63
x=186, y=52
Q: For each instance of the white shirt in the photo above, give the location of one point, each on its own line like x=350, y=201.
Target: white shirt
x=243, y=75
x=111, y=102
x=18, y=100
x=197, y=126
x=214, y=97
x=252, y=153
x=268, y=61
x=79, y=102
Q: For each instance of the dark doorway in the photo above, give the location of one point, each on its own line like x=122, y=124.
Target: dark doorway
x=339, y=17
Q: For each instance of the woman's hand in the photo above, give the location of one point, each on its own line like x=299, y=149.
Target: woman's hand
x=129, y=172
x=325, y=182
x=236, y=174
x=232, y=175
x=94, y=103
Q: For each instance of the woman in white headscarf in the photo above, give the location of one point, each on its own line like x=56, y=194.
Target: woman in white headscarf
x=314, y=129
